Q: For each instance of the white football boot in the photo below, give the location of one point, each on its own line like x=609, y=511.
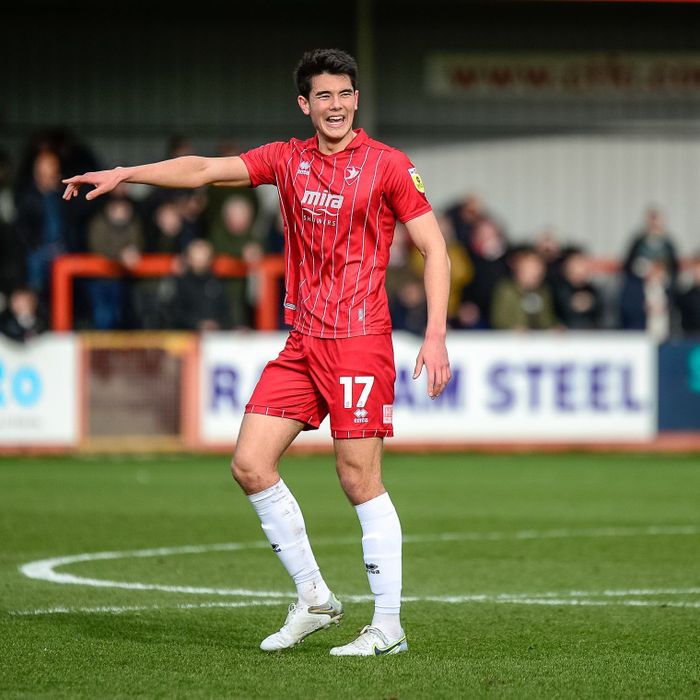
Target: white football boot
x=372, y=642
x=303, y=620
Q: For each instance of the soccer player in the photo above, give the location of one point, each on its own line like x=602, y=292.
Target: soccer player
x=340, y=195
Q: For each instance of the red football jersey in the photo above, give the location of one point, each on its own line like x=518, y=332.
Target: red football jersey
x=339, y=213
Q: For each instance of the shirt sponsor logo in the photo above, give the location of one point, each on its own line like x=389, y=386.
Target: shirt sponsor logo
x=321, y=208
x=316, y=203
x=417, y=180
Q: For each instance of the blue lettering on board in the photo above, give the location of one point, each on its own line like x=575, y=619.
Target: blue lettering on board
x=497, y=379
x=23, y=387
x=412, y=393
x=224, y=381
x=565, y=387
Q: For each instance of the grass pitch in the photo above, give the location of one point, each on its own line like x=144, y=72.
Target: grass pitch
x=525, y=576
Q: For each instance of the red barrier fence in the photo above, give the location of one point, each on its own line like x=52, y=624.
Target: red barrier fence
x=268, y=271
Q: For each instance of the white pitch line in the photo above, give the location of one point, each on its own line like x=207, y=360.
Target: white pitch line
x=477, y=598
x=625, y=592
x=555, y=534
x=550, y=598
x=45, y=569
x=120, y=609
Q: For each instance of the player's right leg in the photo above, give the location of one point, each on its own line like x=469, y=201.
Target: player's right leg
x=356, y=377
x=358, y=462
x=261, y=442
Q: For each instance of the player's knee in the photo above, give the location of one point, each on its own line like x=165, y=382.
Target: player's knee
x=359, y=484
x=352, y=488
x=241, y=469
x=251, y=474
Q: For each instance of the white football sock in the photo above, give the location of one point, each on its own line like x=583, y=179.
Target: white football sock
x=381, y=546
x=284, y=526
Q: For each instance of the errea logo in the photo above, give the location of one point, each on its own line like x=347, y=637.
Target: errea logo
x=360, y=415
x=322, y=202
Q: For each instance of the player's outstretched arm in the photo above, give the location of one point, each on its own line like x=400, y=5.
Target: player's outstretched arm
x=187, y=172
x=426, y=235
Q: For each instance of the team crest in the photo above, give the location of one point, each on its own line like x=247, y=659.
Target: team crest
x=417, y=180
x=351, y=174
x=304, y=167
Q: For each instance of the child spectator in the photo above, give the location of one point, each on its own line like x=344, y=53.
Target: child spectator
x=200, y=302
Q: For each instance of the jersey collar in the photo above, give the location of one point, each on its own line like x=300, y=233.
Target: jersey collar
x=359, y=140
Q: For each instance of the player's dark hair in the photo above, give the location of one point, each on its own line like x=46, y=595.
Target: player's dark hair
x=317, y=61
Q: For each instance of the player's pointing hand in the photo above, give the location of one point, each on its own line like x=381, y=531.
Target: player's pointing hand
x=102, y=180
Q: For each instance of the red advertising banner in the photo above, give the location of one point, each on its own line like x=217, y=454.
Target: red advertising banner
x=589, y=75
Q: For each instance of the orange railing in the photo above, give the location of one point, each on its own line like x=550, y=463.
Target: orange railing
x=269, y=270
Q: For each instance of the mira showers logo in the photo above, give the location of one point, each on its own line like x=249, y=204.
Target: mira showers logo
x=322, y=202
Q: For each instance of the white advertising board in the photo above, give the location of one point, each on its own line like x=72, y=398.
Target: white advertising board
x=39, y=391
x=230, y=366
x=556, y=387
x=541, y=386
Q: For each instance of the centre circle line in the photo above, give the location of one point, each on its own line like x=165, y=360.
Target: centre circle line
x=45, y=569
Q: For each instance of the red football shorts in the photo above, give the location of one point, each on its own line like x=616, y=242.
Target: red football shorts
x=350, y=379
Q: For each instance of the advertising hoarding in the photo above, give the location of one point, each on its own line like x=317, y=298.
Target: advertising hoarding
x=679, y=386
x=558, y=387
x=39, y=392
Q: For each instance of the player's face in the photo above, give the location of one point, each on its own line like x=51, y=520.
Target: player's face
x=331, y=105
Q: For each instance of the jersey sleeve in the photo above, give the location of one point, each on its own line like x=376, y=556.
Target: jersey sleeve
x=404, y=188
x=261, y=163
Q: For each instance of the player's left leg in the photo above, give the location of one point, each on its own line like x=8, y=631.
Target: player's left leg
x=358, y=462
x=261, y=442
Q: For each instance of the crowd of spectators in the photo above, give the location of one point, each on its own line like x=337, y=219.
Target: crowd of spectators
x=542, y=283
x=537, y=282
